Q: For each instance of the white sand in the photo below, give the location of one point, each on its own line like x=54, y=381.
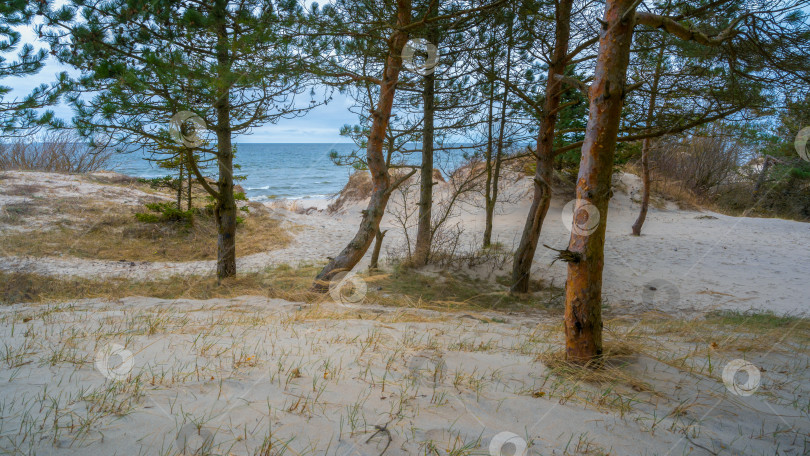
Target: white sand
x=248, y=369
x=230, y=365
x=721, y=263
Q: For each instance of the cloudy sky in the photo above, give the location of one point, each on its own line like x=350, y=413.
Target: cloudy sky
x=321, y=125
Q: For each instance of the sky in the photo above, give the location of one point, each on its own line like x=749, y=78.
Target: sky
x=320, y=125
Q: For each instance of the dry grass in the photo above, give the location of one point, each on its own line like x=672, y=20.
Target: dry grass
x=105, y=231
x=282, y=282
x=408, y=290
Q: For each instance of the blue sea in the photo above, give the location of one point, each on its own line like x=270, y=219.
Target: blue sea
x=290, y=171
x=281, y=171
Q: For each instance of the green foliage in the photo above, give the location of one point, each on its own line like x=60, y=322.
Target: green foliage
x=166, y=212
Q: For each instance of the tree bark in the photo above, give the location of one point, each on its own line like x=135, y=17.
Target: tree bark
x=496, y=174
x=583, y=287
x=646, y=146
x=524, y=255
x=421, y=251
x=375, y=254
x=370, y=223
x=180, y=187
x=225, y=207
x=188, y=193
x=488, y=158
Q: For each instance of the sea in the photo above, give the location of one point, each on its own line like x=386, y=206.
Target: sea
x=272, y=171
x=281, y=171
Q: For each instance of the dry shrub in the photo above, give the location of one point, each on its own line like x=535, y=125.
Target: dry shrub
x=59, y=151
x=698, y=163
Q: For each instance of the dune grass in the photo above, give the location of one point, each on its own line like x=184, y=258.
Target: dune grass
x=407, y=289
x=107, y=231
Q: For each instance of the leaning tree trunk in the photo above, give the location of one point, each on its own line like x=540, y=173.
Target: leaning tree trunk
x=646, y=146
x=421, y=251
x=524, y=255
x=370, y=223
x=583, y=288
x=375, y=253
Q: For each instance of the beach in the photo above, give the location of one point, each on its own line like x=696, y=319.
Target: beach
x=260, y=375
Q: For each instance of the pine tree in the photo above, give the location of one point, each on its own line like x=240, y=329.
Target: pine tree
x=209, y=69
x=21, y=114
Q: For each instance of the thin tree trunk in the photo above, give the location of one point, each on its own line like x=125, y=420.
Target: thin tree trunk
x=646, y=146
x=370, y=223
x=188, y=192
x=488, y=158
x=524, y=255
x=499, y=154
x=375, y=254
x=421, y=251
x=583, y=288
x=180, y=188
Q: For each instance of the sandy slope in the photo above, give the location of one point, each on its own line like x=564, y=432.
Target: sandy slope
x=245, y=370
x=326, y=379
x=707, y=260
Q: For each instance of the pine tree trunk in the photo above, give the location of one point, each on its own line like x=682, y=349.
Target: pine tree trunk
x=423, y=232
x=180, y=188
x=488, y=204
x=370, y=223
x=524, y=255
x=225, y=207
x=188, y=192
x=583, y=288
x=646, y=146
x=645, y=183
x=375, y=254
x=496, y=173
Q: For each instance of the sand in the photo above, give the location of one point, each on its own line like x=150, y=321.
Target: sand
x=345, y=378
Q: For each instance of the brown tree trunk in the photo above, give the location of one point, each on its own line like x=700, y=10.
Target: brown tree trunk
x=496, y=173
x=225, y=207
x=524, y=255
x=188, y=192
x=645, y=183
x=488, y=184
x=646, y=146
x=180, y=188
x=583, y=288
x=421, y=251
x=375, y=254
x=370, y=223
